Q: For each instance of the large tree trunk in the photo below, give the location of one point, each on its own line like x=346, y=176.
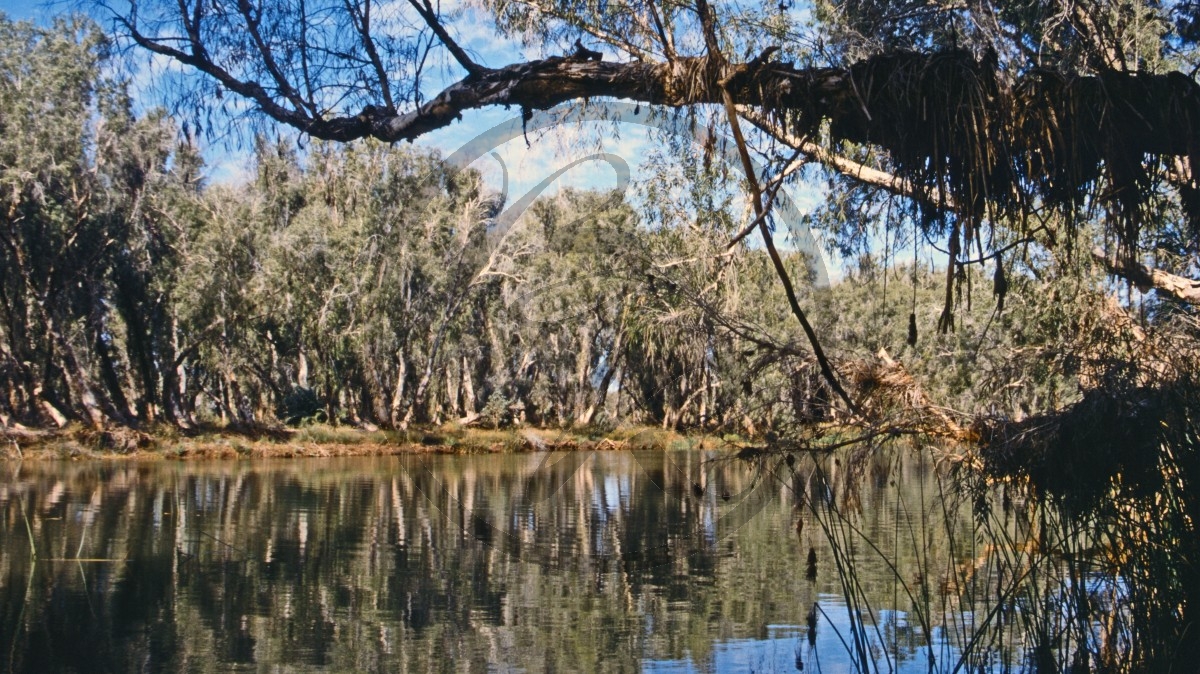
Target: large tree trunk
x=302, y=368
x=110, y=378
x=582, y=392
x=601, y=395
x=331, y=392
x=416, y=406
x=73, y=374
x=49, y=408
x=398, y=392
x=469, y=404
x=236, y=408
x=376, y=401
x=130, y=297
x=11, y=397
x=174, y=376
x=453, y=388
x=79, y=386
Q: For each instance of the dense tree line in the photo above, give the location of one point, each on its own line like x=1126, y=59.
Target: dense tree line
x=368, y=284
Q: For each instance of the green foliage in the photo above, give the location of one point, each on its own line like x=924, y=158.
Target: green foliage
x=1008, y=362
x=496, y=413
x=81, y=233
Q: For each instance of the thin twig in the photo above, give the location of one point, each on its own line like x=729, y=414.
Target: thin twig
x=718, y=58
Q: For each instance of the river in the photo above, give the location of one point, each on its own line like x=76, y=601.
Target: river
x=682, y=561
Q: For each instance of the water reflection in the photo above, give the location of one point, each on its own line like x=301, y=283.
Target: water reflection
x=591, y=561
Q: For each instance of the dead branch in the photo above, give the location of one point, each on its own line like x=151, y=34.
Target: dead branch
x=1147, y=278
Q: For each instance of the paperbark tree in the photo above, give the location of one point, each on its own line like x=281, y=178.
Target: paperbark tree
x=986, y=114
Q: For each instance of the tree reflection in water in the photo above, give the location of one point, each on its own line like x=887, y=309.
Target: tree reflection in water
x=589, y=561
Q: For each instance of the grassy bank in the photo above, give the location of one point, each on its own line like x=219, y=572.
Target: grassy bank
x=79, y=443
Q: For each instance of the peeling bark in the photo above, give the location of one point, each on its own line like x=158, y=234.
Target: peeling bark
x=1147, y=278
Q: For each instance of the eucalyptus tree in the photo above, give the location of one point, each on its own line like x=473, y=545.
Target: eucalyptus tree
x=576, y=302
x=46, y=232
x=151, y=180
x=354, y=273
x=85, y=254
x=223, y=246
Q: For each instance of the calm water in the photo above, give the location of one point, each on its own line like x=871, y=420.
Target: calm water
x=605, y=561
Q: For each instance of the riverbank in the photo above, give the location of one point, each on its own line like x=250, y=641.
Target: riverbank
x=169, y=443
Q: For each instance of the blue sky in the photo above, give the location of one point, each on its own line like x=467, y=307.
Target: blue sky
x=26, y=9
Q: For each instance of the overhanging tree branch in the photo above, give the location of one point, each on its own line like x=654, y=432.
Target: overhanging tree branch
x=956, y=126
x=1147, y=278
x=430, y=16
x=756, y=201
x=964, y=136
x=847, y=167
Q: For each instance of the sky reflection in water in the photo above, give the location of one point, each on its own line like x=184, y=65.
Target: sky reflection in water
x=601, y=562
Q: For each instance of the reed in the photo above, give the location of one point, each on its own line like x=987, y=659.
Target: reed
x=28, y=528
x=999, y=576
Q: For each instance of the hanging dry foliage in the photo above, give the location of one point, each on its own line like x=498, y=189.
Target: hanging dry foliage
x=953, y=127
x=942, y=118
x=980, y=148
x=1074, y=130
